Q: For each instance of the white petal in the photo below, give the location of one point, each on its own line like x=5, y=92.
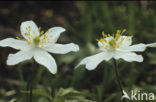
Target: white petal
x=104, y=44
x=62, y=48
x=53, y=33
x=34, y=31
x=92, y=62
x=44, y=58
x=14, y=43
x=126, y=42
x=137, y=47
x=19, y=57
x=101, y=46
x=151, y=45
x=128, y=56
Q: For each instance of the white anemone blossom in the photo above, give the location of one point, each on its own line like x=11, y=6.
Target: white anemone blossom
x=116, y=46
x=37, y=44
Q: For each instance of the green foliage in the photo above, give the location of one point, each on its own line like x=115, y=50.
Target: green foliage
x=71, y=95
x=38, y=92
x=61, y=95
x=84, y=21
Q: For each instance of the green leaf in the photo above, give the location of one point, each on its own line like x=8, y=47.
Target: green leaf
x=71, y=95
x=38, y=92
x=59, y=99
x=63, y=92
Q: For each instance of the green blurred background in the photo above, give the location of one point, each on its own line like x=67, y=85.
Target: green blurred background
x=84, y=21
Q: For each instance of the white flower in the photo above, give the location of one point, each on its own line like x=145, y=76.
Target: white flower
x=37, y=44
x=115, y=46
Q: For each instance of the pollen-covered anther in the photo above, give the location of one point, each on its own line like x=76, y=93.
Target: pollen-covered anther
x=109, y=35
x=124, y=30
x=17, y=38
x=128, y=38
x=27, y=34
x=121, y=41
x=42, y=32
x=117, y=36
x=47, y=31
x=112, y=43
x=29, y=43
x=106, y=47
x=118, y=32
x=103, y=34
x=39, y=29
x=28, y=29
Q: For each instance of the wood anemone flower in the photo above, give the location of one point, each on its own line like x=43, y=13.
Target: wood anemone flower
x=116, y=46
x=37, y=44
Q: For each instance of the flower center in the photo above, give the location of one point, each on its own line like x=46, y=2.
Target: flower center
x=36, y=41
x=112, y=42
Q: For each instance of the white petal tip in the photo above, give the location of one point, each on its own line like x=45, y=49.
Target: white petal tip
x=61, y=29
x=76, y=66
x=151, y=45
x=9, y=62
x=53, y=72
x=30, y=21
x=75, y=48
x=141, y=59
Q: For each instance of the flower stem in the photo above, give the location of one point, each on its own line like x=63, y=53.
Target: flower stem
x=118, y=78
x=32, y=80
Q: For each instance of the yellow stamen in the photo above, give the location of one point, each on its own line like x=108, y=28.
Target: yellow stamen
x=105, y=40
x=113, y=35
x=106, y=47
x=118, y=32
x=26, y=34
x=26, y=39
x=39, y=29
x=42, y=32
x=17, y=38
x=112, y=43
x=47, y=31
x=103, y=34
x=97, y=40
x=128, y=38
x=44, y=37
x=124, y=30
x=109, y=35
x=29, y=43
x=117, y=36
x=118, y=45
x=121, y=41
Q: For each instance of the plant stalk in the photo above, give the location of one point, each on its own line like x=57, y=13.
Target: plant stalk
x=32, y=80
x=118, y=78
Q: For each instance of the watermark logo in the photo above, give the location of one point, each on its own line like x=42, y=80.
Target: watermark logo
x=138, y=95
